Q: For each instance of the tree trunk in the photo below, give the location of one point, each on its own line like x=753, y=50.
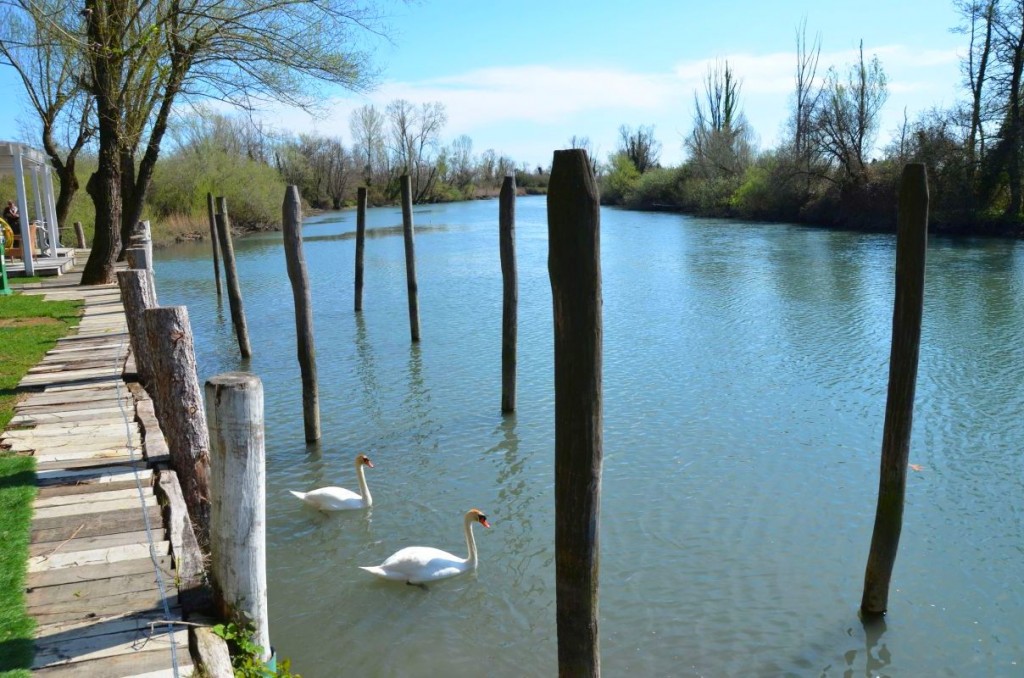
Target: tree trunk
x=104, y=187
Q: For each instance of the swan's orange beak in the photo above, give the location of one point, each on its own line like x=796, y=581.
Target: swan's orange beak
x=367, y=462
x=483, y=521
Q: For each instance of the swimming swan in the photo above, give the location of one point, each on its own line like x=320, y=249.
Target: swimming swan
x=421, y=564
x=338, y=498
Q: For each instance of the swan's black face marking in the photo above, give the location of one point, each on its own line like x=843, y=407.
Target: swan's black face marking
x=483, y=520
x=366, y=461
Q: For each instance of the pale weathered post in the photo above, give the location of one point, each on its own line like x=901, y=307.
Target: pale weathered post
x=213, y=240
x=137, y=294
x=179, y=407
x=410, y=258
x=238, y=513
x=360, y=243
x=79, y=235
x=139, y=257
x=574, y=265
x=295, y=260
x=231, y=273
x=911, y=246
x=510, y=292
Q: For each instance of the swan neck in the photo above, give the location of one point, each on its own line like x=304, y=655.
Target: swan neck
x=364, y=489
x=470, y=541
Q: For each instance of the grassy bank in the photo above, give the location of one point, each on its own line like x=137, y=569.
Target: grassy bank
x=30, y=327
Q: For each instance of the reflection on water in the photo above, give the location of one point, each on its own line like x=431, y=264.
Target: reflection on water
x=380, y=232
x=745, y=373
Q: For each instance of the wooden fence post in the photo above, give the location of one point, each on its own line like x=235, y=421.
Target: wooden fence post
x=231, y=273
x=574, y=265
x=79, y=235
x=138, y=257
x=213, y=240
x=410, y=258
x=510, y=289
x=138, y=294
x=360, y=243
x=911, y=246
x=234, y=413
x=179, y=407
x=295, y=259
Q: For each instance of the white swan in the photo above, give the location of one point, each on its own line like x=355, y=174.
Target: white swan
x=338, y=498
x=421, y=564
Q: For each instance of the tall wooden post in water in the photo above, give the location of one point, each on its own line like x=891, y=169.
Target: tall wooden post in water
x=238, y=511
x=911, y=244
x=291, y=214
x=510, y=292
x=231, y=273
x=213, y=239
x=410, y=258
x=360, y=243
x=574, y=264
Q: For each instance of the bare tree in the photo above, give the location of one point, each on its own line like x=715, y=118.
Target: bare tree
x=980, y=18
x=640, y=146
x=846, y=119
x=415, y=140
x=583, y=143
x=48, y=70
x=369, y=144
x=720, y=143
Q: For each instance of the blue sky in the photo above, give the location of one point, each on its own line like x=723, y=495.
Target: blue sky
x=523, y=77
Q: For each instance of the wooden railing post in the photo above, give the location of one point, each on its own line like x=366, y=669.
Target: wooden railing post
x=213, y=240
x=510, y=292
x=234, y=414
x=295, y=261
x=911, y=246
x=574, y=265
x=360, y=243
x=138, y=294
x=230, y=272
x=179, y=407
x=79, y=235
x=138, y=257
x=410, y=258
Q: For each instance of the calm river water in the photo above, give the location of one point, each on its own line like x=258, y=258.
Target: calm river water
x=745, y=378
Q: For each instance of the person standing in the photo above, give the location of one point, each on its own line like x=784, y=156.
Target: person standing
x=12, y=217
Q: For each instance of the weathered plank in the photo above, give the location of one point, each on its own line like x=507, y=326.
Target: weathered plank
x=86, y=488
x=106, y=474
x=143, y=663
x=103, y=495
x=92, y=507
x=126, y=643
x=78, y=543
x=121, y=603
x=109, y=555
x=49, y=598
x=74, y=575
x=97, y=415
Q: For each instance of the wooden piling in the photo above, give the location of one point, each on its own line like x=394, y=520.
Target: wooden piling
x=179, y=407
x=234, y=414
x=574, y=265
x=510, y=292
x=138, y=257
x=911, y=246
x=360, y=243
x=295, y=259
x=79, y=235
x=231, y=274
x=410, y=258
x=213, y=240
x=137, y=294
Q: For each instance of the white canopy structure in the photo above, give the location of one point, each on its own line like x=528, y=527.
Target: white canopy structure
x=24, y=161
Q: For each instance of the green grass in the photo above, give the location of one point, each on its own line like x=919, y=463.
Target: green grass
x=29, y=326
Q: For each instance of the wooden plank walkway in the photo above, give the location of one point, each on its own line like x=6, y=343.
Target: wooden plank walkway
x=100, y=569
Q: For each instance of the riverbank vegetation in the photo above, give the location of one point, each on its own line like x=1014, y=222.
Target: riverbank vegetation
x=30, y=327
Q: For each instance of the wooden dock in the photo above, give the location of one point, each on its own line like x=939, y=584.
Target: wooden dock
x=101, y=583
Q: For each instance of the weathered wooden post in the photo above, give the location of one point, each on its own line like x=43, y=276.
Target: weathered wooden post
x=291, y=212
x=138, y=257
x=410, y=258
x=360, y=243
x=213, y=240
x=179, y=407
x=231, y=273
x=510, y=289
x=138, y=294
x=79, y=235
x=574, y=265
x=238, y=523
x=911, y=245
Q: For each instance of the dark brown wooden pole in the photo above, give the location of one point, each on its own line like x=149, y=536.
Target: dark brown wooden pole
x=179, y=407
x=213, y=240
x=137, y=294
x=79, y=235
x=911, y=245
x=510, y=289
x=360, y=243
x=410, y=258
x=231, y=274
x=295, y=259
x=574, y=264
